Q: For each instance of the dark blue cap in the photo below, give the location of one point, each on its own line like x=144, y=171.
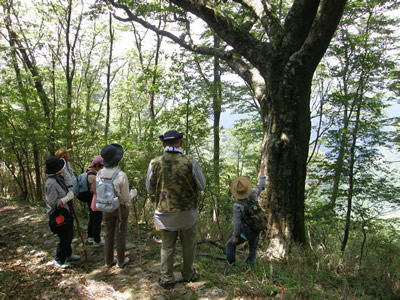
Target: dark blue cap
x=112, y=154
x=171, y=135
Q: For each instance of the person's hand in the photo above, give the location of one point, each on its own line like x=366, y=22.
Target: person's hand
x=133, y=193
x=235, y=240
x=68, y=197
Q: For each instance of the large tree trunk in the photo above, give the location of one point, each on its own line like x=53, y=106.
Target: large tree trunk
x=286, y=121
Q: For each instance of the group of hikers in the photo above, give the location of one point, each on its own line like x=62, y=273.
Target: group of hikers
x=175, y=179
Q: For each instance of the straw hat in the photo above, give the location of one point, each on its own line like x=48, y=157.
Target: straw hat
x=241, y=187
x=62, y=153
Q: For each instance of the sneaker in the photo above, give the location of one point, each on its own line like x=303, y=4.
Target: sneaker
x=166, y=285
x=90, y=241
x=126, y=260
x=73, y=257
x=59, y=265
x=101, y=243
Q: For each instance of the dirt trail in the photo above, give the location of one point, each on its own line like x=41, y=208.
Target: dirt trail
x=27, y=248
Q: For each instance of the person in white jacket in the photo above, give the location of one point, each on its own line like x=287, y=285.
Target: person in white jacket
x=116, y=222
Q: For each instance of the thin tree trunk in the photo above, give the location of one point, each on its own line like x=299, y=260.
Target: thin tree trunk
x=70, y=65
x=347, y=114
x=217, y=99
x=31, y=66
x=108, y=91
x=152, y=90
x=351, y=178
x=69, y=74
x=90, y=74
x=186, y=145
x=31, y=123
x=363, y=241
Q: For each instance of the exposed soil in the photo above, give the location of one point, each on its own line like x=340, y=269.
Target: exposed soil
x=27, y=248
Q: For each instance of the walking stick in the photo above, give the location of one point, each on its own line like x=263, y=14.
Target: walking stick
x=137, y=230
x=79, y=230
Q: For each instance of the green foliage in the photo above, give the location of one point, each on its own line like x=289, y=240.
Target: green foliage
x=242, y=142
x=320, y=272
x=360, y=71
x=353, y=270
x=351, y=178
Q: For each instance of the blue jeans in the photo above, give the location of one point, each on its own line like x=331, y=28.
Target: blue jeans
x=252, y=240
x=64, y=249
x=94, y=224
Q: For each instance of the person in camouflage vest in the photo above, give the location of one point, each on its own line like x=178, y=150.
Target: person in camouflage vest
x=175, y=179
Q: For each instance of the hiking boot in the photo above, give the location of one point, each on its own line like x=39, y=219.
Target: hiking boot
x=73, y=257
x=126, y=261
x=60, y=265
x=166, y=285
x=194, y=277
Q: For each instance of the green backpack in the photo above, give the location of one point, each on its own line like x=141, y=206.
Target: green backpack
x=253, y=214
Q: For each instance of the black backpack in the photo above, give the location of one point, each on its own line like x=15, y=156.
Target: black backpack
x=253, y=214
x=60, y=220
x=81, y=188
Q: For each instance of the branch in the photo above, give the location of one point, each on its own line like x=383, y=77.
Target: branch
x=30, y=64
x=320, y=34
x=232, y=58
x=298, y=23
x=212, y=242
x=211, y=256
x=181, y=42
x=236, y=36
x=263, y=11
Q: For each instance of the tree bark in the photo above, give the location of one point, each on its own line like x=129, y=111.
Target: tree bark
x=286, y=124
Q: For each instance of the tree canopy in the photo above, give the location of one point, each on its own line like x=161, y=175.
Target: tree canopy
x=293, y=69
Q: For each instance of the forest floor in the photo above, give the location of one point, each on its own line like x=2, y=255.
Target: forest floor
x=27, y=248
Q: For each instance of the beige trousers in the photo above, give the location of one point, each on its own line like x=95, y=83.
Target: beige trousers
x=188, y=241
x=116, y=227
